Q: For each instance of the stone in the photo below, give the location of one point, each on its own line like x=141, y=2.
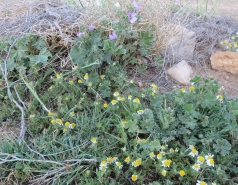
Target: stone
x=181, y=46
x=181, y=72
x=225, y=61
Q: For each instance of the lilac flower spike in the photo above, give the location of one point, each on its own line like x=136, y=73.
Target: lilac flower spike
x=80, y=34
x=113, y=36
x=132, y=17
x=137, y=7
x=91, y=28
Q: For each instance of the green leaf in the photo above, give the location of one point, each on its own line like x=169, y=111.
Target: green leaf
x=146, y=41
x=76, y=55
x=41, y=58
x=11, y=64
x=222, y=146
x=155, y=145
x=40, y=43
x=19, y=52
x=188, y=107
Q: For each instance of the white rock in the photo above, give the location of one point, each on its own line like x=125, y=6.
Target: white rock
x=181, y=72
x=181, y=46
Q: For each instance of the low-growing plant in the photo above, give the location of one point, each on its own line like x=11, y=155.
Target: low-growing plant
x=89, y=123
x=231, y=44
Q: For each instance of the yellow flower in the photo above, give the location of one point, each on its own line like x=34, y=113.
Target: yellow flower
x=142, y=95
x=201, y=183
x=132, y=81
x=52, y=121
x=171, y=150
x=182, y=173
x=163, y=147
x=152, y=155
x=59, y=121
x=114, y=159
x=191, y=88
x=176, y=150
x=50, y=113
x=235, y=45
x=196, y=167
x=182, y=89
x=105, y=105
x=219, y=97
x=67, y=124
x=75, y=67
x=136, y=100
x=114, y=102
x=109, y=160
x=103, y=165
x=210, y=162
x=140, y=112
x=119, y=98
x=32, y=116
x=116, y=93
x=137, y=162
x=72, y=125
x=102, y=76
x=90, y=84
x=166, y=163
x=72, y=113
x=71, y=82
x=193, y=153
x=154, y=87
x=66, y=98
x=229, y=45
x=85, y=76
x=143, y=140
x=58, y=76
x=127, y=160
x=80, y=81
x=124, y=122
x=134, y=177
x=94, y=140
x=64, y=130
x=129, y=97
x=153, y=94
x=159, y=156
x=200, y=159
x=209, y=156
x=119, y=165
x=51, y=87
x=114, y=63
x=164, y=172
x=233, y=37
x=123, y=149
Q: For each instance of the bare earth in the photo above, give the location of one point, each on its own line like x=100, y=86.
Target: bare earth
x=10, y=9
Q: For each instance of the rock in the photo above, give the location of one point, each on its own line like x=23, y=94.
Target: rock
x=182, y=45
x=181, y=72
x=225, y=61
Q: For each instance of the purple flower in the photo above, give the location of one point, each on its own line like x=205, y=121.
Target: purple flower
x=176, y=2
x=137, y=7
x=91, y=28
x=113, y=36
x=132, y=17
x=80, y=34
